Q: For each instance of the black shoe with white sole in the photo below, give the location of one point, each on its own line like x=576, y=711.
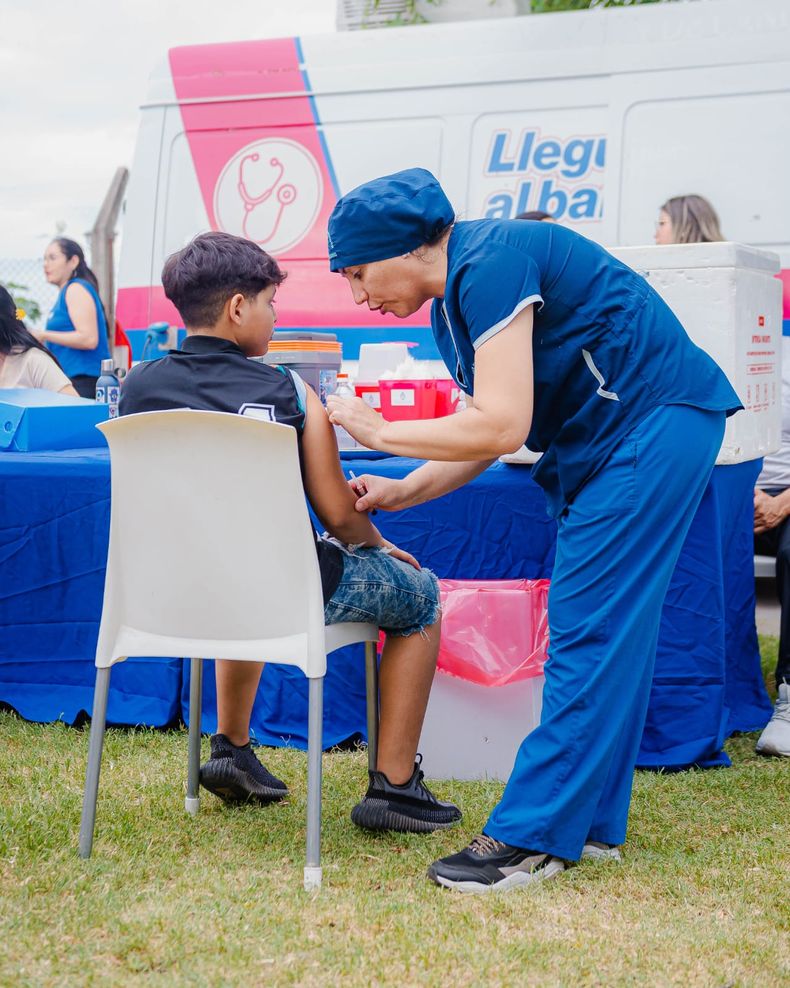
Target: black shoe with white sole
x=488, y=865
x=235, y=775
x=408, y=808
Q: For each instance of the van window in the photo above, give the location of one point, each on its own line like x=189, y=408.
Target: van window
x=365, y=149
x=726, y=148
x=184, y=212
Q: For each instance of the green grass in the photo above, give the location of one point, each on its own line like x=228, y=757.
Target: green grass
x=701, y=898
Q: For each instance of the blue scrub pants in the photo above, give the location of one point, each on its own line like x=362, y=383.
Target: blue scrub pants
x=617, y=546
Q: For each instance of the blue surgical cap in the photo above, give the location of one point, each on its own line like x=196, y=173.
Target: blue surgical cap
x=389, y=216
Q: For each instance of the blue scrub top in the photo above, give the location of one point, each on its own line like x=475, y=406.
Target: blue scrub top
x=76, y=362
x=607, y=349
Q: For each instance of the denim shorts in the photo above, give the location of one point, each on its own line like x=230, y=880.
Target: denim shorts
x=377, y=589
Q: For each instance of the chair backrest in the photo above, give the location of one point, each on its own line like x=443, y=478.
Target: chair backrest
x=210, y=538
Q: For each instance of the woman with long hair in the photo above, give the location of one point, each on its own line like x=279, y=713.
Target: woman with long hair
x=76, y=330
x=24, y=362
x=688, y=220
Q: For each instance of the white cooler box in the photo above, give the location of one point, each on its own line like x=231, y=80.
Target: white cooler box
x=474, y=732
x=730, y=303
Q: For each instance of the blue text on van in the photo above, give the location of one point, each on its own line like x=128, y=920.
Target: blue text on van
x=551, y=173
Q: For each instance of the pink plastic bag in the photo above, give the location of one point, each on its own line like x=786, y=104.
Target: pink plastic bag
x=494, y=632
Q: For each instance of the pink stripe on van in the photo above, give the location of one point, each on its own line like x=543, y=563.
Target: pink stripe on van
x=297, y=305
x=784, y=274
x=259, y=162
x=242, y=68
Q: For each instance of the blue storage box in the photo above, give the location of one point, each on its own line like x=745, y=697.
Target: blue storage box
x=32, y=419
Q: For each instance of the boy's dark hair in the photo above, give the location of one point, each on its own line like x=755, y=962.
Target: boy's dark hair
x=212, y=268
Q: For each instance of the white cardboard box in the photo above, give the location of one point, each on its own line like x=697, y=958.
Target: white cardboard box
x=728, y=299
x=474, y=732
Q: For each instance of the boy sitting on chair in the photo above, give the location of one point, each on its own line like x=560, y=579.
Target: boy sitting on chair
x=223, y=287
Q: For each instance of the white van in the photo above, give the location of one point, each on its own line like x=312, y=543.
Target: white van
x=596, y=117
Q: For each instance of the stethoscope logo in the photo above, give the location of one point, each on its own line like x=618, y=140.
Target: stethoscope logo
x=284, y=195
x=269, y=192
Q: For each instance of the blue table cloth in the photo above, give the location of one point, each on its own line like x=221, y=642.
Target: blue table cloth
x=53, y=539
x=54, y=525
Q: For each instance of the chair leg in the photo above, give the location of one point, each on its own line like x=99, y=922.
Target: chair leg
x=192, y=801
x=372, y=693
x=312, y=871
x=98, y=721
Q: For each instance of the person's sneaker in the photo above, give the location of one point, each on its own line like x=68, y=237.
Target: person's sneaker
x=775, y=739
x=488, y=865
x=598, y=851
x=408, y=808
x=236, y=776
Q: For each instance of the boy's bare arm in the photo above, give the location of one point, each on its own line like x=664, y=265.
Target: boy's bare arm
x=327, y=488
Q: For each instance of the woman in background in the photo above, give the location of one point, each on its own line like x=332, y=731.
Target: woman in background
x=76, y=330
x=687, y=220
x=24, y=362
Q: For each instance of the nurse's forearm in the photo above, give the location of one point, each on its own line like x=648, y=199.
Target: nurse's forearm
x=468, y=435
x=435, y=478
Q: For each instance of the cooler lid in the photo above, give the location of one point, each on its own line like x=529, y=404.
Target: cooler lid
x=303, y=334
x=719, y=255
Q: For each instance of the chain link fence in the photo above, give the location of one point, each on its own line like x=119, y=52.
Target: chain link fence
x=24, y=279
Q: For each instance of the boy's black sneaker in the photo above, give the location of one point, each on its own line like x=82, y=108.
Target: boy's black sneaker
x=409, y=808
x=488, y=865
x=236, y=776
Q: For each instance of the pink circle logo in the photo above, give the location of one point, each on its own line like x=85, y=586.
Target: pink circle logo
x=269, y=192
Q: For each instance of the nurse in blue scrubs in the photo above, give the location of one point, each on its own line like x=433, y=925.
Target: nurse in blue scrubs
x=566, y=348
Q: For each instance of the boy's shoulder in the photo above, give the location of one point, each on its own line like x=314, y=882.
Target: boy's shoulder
x=145, y=385
x=210, y=383
x=147, y=371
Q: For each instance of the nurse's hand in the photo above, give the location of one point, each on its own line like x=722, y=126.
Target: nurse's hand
x=380, y=492
x=357, y=418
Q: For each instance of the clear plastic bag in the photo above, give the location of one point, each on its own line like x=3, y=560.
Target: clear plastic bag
x=494, y=632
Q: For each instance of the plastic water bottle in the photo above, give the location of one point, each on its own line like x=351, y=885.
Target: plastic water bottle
x=344, y=390
x=108, y=388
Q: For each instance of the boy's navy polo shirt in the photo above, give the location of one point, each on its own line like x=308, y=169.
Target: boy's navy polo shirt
x=213, y=375
x=607, y=349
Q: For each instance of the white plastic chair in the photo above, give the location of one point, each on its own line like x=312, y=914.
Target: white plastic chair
x=212, y=554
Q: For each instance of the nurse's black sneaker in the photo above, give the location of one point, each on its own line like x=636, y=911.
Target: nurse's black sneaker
x=596, y=850
x=235, y=775
x=410, y=808
x=488, y=865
